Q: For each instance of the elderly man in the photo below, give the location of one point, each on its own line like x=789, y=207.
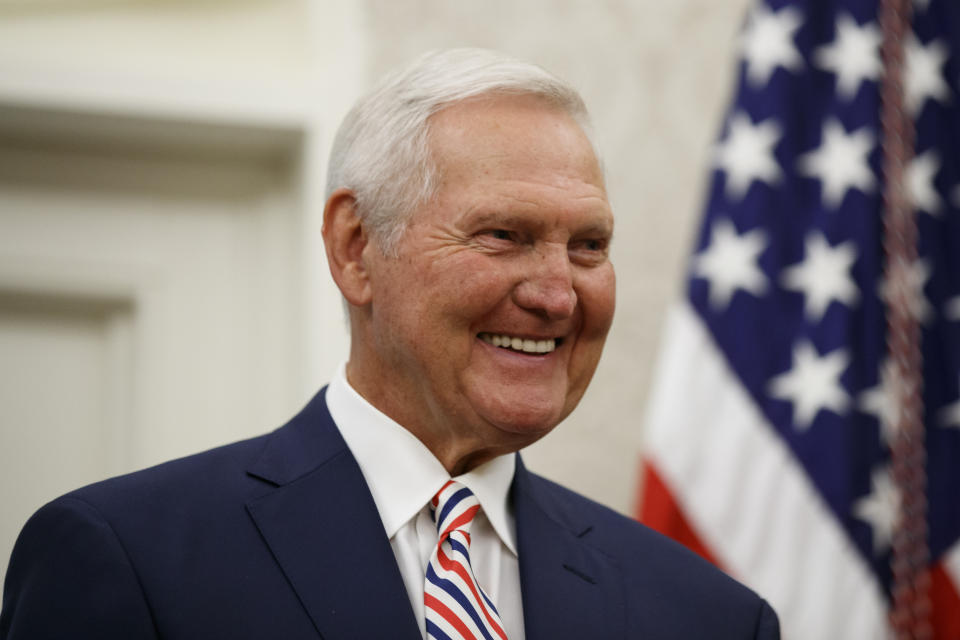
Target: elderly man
x=468, y=228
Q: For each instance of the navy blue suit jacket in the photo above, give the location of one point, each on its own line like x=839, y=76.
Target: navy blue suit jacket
x=279, y=537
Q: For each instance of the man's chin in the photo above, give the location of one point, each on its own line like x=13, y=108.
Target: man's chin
x=526, y=426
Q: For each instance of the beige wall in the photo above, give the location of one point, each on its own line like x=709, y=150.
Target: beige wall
x=655, y=75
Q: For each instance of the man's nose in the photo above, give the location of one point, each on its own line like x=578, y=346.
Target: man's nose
x=547, y=288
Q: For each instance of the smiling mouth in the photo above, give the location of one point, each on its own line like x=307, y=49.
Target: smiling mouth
x=523, y=345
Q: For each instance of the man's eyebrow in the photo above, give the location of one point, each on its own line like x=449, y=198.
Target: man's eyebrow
x=509, y=219
x=495, y=217
x=604, y=228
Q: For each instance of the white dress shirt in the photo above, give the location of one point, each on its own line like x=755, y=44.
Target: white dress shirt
x=403, y=475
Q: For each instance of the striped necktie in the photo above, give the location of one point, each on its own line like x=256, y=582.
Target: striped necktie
x=456, y=608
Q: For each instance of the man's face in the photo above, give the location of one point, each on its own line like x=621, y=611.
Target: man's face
x=484, y=331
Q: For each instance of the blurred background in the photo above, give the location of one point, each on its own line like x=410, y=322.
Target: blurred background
x=162, y=280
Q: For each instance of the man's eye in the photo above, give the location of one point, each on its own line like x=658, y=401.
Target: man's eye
x=501, y=234
x=593, y=245
x=590, y=251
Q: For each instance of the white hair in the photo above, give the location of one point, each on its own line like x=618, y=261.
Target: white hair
x=381, y=151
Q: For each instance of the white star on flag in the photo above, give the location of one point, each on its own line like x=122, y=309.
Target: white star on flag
x=746, y=154
x=920, y=175
x=903, y=285
x=812, y=384
x=951, y=309
x=853, y=56
x=840, y=162
x=883, y=401
x=950, y=415
x=730, y=262
x=880, y=508
x=823, y=276
x=767, y=42
x=923, y=78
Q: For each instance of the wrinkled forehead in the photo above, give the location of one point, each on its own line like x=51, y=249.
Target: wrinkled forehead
x=482, y=134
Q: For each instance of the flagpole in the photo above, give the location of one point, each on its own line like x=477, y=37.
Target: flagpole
x=910, y=609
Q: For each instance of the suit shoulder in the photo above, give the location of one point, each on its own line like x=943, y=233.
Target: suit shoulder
x=578, y=512
x=209, y=472
x=650, y=561
x=64, y=539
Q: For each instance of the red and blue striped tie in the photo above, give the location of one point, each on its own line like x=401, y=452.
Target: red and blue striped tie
x=456, y=606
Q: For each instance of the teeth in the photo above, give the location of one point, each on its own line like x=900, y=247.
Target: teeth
x=525, y=345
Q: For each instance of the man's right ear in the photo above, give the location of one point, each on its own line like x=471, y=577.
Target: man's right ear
x=345, y=238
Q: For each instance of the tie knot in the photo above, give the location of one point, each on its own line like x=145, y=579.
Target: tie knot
x=453, y=509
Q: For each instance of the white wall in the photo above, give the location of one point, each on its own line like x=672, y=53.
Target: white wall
x=161, y=287
x=270, y=79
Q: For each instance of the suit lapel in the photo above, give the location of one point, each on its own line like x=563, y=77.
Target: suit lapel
x=569, y=589
x=323, y=528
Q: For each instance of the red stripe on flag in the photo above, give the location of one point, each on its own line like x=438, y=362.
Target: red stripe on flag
x=449, y=616
x=658, y=510
x=945, y=617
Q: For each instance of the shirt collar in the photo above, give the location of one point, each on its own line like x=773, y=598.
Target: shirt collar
x=403, y=475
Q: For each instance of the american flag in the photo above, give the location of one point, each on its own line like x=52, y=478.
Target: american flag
x=771, y=420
